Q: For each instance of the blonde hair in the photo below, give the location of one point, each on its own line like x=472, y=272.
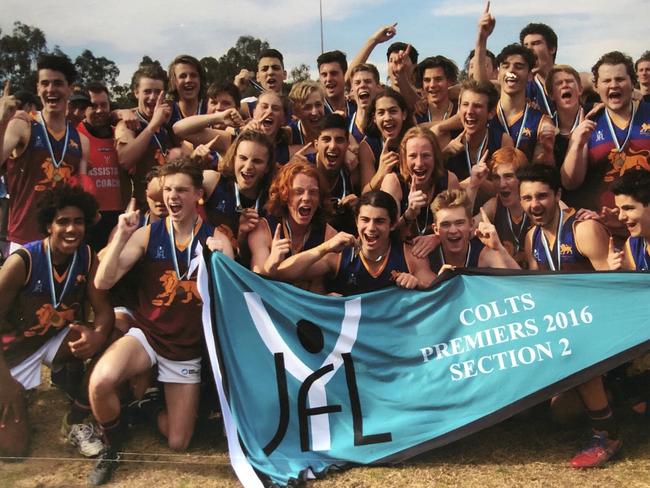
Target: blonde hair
x=301, y=91
x=561, y=68
x=451, y=199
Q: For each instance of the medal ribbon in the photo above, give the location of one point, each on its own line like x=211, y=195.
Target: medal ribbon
x=516, y=236
x=504, y=123
x=49, y=143
x=239, y=207
x=478, y=155
x=621, y=147
x=155, y=136
x=172, y=241
x=68, y=278
x=542, y=91
x=558, y=241
x=469, y=250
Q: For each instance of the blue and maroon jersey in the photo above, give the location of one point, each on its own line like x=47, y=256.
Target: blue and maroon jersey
x=569, y=255
x=538, y=98
x=353, y=275
x=606, y=164
x=154, y=155
x=177, y=113
x=169, y=305
x=639, y=252
x=523, y=129
x=33, y=319
x=437, y=256
x=34, y=171
x=221, y=207
x=458, y=163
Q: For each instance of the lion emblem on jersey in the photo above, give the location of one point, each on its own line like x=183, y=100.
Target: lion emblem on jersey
x=625, y=161
x=645, y=128
x=172, y=288
x=526, y=132
x=48, y=317
x=53, y=175
x=566, y=250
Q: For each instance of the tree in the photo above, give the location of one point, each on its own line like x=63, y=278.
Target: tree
x=18, y=54
x=243, y=54
x=211, y=67
x=300, y=73
x=123, y=97
x=91, y=68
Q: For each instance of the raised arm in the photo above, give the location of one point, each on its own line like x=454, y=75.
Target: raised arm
x=131, y=148
x=574, y=167
x=485, y=28
x=384, y=34
x=14, y=133
x=128, y=245
x=494, y=254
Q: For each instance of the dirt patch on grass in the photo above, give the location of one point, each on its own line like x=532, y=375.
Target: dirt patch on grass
x=519, y=452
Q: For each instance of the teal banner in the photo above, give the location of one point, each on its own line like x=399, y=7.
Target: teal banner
x=309, y=381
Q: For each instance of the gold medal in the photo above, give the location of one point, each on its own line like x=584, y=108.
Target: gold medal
x=619, y=160
x=56, y=320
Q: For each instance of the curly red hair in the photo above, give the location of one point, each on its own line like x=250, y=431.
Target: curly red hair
x=279, y=193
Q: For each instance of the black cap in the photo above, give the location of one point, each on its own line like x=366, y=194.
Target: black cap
x=80, y=98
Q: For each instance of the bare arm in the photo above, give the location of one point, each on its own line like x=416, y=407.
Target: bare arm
x=197, y=129
x=528, y=247
x=131, y=148
x=12, y=278
x=315, y=262
x=574, y=167
x=420, y=269
x=260, y=244
x=384, y=34
x=485, y=27
x=493, y=255
x=592, y=241
x=543, y=152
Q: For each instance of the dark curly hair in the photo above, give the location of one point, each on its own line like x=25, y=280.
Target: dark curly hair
x=53, y=200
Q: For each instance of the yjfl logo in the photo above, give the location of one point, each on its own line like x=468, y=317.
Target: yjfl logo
x=312, y=404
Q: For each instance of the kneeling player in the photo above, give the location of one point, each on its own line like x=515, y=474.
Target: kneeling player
x=166, y=328
x=43, y=287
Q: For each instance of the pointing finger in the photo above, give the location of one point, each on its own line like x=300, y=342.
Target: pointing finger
x=7, y=88
x=131, y=206
x=278, y=229
x=487, y=7
x=612, y=249
x=266, y=113
x=161, y=98
x=212, y=143
x=484, y=216
x=304, y=149
x=592, y=113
